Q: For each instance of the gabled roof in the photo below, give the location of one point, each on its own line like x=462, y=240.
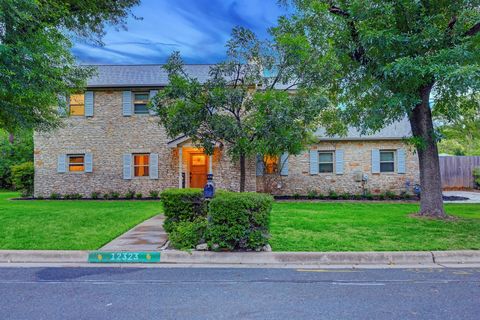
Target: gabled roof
x=141, y=75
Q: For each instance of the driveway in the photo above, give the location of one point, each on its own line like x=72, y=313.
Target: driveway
x=473, y=196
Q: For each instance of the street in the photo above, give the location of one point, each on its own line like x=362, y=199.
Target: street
x=229, y=293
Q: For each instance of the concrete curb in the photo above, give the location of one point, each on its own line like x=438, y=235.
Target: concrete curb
x=406, y=258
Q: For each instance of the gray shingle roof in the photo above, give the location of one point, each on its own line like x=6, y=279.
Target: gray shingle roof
x=116, y=76
x=395, y=131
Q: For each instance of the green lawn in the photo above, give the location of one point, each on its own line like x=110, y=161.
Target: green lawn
x=304, y=226
x=71, y=225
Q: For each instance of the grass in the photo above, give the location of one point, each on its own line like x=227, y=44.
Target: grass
x=303, y=226
x=68, y=225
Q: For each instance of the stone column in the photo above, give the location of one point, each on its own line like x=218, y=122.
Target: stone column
x=180, y=166
x=210, y=164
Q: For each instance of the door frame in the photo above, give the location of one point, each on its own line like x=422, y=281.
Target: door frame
x=189, y=169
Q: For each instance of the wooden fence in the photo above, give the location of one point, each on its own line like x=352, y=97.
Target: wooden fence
x=457, y=171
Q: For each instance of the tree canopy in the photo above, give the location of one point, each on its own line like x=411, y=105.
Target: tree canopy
x=246, y=103
x=36, y=65
x=385, y=58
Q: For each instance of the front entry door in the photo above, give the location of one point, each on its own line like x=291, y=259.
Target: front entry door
x=198, y=170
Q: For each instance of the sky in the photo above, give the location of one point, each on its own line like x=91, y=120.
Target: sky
x=198, y=29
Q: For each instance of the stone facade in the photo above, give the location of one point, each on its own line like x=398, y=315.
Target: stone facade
x=108, y=135
x=357, y=158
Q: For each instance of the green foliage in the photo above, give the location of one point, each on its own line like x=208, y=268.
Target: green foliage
x=238, y=106
x=37, y=65
x=139, y=196
x=18, y=151
x=153, y=194
x=73, y=196
x=55, y=196
x=332, y=195
x=114, y=195
x=312, y=194
x=187, y=234
x=476, y=176
x=95, y=195
x=182, y=205
x=22, y=178
x=130, y=194
x=239, y=221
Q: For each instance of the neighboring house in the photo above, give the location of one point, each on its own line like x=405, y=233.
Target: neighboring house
x=111, y=142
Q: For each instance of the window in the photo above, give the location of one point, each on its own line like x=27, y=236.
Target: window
x=387, y=161
x=271, y=164
x=77, y=104
x=325, y=161
x=141, y=165
x=76, y=163
x=140, y=101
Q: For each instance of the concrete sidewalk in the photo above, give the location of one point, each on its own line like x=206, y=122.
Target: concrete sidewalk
x=473, y=196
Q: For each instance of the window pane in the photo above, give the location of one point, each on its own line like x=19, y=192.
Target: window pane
x=325, y=157
x=141, y=159
x=140, y=164
x=386, y=156
x=386, y=167
x=77, y=110
x=325, y=167
x=76, y=163
x=77, y=104
x=271, y=164
x=76, y=159
x=77, y=99
x=141, y=108
x=76, y=167
x=141, y=96
x=141, y=171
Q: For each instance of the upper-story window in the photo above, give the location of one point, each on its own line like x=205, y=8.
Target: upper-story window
x=387, y=161
x=271, y=164
x=77, y=104
x=325, y=161
x=76, y=163
x=140, y=101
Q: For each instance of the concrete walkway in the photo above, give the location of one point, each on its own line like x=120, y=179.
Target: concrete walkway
x=473, y=197
x=147, y=236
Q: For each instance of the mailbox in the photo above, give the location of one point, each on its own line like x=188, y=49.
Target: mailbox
x=209, y=189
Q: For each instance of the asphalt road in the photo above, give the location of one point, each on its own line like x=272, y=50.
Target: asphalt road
x=198, y=293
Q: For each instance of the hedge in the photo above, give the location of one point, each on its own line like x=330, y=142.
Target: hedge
x=22, y=177
x=182, y=205
x=239, y=221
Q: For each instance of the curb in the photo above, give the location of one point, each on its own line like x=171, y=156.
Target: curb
x=405, y=258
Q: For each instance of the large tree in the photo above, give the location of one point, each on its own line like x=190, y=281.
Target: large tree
x=386, y=59
x=246, y=104
x=36, y=65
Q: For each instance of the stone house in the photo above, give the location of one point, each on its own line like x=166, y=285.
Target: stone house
x=111, y=142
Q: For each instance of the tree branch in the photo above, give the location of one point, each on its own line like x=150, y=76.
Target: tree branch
x=473, y=30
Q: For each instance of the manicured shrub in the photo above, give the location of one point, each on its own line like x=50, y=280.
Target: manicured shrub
x=332, y=195
x=390, y=195
x=187, y=234
x=312, y=194
x=22, y=177
x=130, y=194
x=153, y=194
x=55, y=196
x=476, y=176
x=114, y=195
x=345, y=196
x=239, y=221
x=95, y=195
x=368, y=195
x=139, y=196
x=182, y=205
x=106, y=196
x=73, y=196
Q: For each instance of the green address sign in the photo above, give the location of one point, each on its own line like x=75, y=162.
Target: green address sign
x=123, y=257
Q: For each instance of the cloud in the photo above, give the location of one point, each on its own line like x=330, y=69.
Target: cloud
x=199, y=29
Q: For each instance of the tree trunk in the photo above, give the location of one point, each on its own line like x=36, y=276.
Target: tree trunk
x=242, y=173
x=431, y=202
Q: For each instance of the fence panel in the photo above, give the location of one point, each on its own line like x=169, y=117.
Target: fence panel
x=457, y=171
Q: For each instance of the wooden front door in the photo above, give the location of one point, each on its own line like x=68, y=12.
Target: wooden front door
x=198, y=170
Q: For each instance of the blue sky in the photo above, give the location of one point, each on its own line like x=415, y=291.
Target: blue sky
x=198, y=29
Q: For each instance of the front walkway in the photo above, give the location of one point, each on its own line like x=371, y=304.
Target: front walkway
x=147, y=236
x=473, y=196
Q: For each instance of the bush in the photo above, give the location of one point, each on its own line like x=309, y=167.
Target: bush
x=130, y=194
x=182, y=205
x=476, y=176
x=345, y=196
x=139, y=196
x=95, y=195
x=55, y=196
x=153, y=194
x=390, y=195
x=22, y=178
x=239, y=221
x=114, y=195
x=73, y=196
x=312, y=194
x=332, y=195
x=187, y=234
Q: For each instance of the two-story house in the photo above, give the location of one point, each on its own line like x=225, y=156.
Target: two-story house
x=111, y=142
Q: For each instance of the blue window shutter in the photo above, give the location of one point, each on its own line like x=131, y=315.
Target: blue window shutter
x=314, y=162
x=89, y=101
x=62, y=163
x=127, y=166
x=260, y=165
x=153, y=93
x=153, y=166
x=88, y=162
x=375, y=161
x=401, y=161
x=339, y=161
x=63, y=105
x=127, y=103
x=284, y=164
